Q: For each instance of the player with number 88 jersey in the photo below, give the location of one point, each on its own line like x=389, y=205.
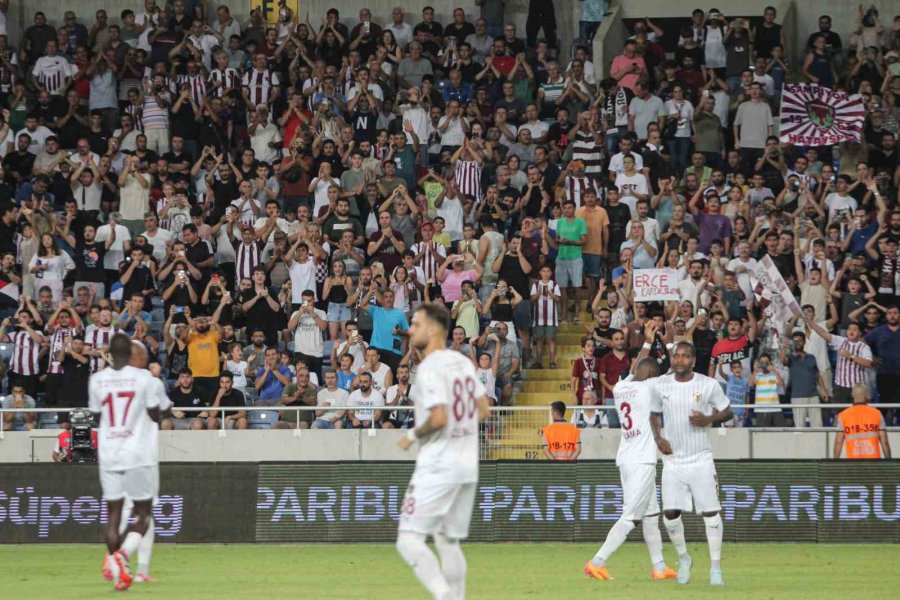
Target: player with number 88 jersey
x=450, y=402
x=448, y=458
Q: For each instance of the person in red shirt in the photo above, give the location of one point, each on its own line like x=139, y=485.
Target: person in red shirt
x=584, y=370
x=736, y=346
x=613, y=366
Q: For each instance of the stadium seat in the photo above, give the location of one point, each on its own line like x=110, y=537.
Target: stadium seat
x=48, y=421
x=262, y=419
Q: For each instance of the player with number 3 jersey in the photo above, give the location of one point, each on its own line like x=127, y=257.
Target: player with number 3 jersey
x=450, y=402
x=636, y=459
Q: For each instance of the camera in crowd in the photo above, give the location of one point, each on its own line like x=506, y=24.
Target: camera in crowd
x=83, y=449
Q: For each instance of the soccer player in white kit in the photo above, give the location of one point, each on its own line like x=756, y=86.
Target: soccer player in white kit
x=128, y=402
x=689, y=403
x=636, y=459
x=140, y=359
x=450, y=402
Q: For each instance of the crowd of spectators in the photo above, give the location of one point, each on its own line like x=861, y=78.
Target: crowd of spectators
x=263, y=206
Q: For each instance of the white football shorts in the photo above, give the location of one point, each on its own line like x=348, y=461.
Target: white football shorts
x=691, y=486
x=432, y=507
x=638, y=491
x=139, y=483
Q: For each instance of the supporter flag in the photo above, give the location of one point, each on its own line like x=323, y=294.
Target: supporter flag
x=813, y=115
x=116, y=291
x=10, y=291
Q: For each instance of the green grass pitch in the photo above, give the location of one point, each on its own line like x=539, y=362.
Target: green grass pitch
x=374, y=571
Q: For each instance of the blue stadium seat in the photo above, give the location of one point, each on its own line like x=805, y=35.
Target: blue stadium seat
x=262, y=419
x=48, y=421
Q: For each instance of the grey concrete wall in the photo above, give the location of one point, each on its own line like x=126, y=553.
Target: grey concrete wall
x=21, y=13
x=798, y=18
x=211, y=446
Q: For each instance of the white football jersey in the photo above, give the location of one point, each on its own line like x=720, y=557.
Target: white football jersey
x=677, y=401
x=633, y=400
x=451, y=454
x=128, y=437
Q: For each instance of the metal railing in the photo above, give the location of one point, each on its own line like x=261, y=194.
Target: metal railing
x=513, y=432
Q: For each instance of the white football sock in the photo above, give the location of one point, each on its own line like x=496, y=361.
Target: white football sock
x=145, y=550
x=127, y=509
x=653, y=539
x=615, y=538
x=675, y=528
x=132, y=540
x=453, y=564
x=424, y=563
x=714, y=538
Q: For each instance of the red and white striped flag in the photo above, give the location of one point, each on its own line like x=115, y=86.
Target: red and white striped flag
x=813, y=115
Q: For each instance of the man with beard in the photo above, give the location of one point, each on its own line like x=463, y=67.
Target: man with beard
x=613, y=366
x=203, y=349
x=399, y=395
x=603, y=333
x=690, y=403
x=366, y=402
x=89, y=253
x=97, y=338
x=450, y=402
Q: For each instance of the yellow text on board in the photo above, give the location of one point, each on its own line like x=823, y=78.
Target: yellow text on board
x=270, y=9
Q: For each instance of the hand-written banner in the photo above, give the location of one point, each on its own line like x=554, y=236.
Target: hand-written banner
x=773, y=294
x=813, y=115
x=655, y=285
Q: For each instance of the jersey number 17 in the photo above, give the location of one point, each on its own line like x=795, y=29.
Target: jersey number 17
x=110, y=405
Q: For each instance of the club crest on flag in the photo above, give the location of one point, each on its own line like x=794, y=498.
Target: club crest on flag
x=820, y=114
x=813, y=115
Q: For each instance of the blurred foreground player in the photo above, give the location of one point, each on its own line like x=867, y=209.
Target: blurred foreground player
x=450, y=401
x=140, y=359
x=690, y=403
x=128, y=401
x=636, y=459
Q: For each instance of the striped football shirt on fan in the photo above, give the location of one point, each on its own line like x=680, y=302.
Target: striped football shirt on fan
x=247, y=258
x=433, y=254
x=198, y=86
x=468, y=177
x=848, y=372
x=576, y=187
x=552, y=91
x=586, y=149
x=677, y=400
x=260, y=86
x=229, y=78
x=95, y=337
x=546, y=311
x=57, y=343
x=25, y=353
x=52, y=72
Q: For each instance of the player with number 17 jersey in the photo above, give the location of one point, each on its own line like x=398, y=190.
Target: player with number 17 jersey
x=128, y=437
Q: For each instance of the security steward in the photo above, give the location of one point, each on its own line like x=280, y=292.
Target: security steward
x=861, y=429
x=562, y=440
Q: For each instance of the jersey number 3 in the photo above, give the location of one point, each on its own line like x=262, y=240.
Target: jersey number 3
x=627, y=423
x=463, y=398
x=111, y=406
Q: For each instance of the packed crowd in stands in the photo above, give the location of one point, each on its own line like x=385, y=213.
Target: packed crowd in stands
x=262, y=206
